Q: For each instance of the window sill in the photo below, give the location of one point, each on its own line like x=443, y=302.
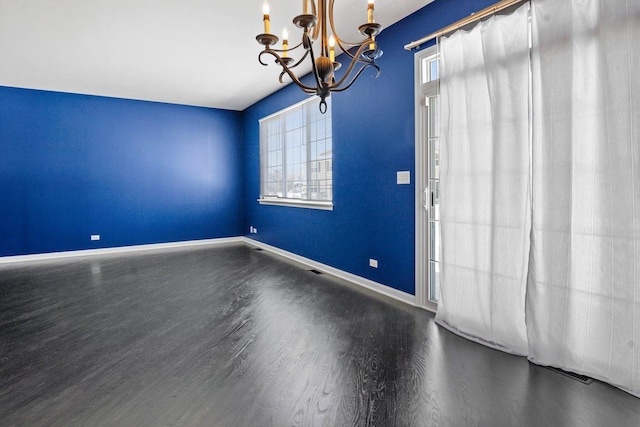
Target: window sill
x=296, y=203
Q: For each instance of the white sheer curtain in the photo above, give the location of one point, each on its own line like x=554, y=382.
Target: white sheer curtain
x=583, y=301
x=485, y=196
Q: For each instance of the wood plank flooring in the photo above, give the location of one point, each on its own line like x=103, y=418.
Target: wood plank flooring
x=231, y=336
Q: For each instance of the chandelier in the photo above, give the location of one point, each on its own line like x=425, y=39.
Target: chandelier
x=316, y=18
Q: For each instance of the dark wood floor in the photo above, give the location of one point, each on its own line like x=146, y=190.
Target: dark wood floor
x=231, y=336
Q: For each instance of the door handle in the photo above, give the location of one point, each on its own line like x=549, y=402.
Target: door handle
x=426, y=199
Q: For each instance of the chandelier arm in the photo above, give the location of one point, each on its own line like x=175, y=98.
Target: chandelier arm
x=301, y=60
x=335, y=33
x=288, y=49
x=348, y=53
x=358, y=55
x=355, y=77
x=345, y=51
x=316, y=28
x=319, y=81
x=353, y=63
x=262, y=53
x=296, y=80
x=305, y=88
x=285, y=69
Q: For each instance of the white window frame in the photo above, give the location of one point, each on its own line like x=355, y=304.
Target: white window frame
x=281, y=199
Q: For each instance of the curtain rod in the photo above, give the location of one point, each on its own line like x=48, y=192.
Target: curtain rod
x=497, y=7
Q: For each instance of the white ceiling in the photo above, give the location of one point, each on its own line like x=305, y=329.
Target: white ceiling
x=192, y=52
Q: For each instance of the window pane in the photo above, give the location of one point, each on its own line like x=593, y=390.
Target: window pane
x=434, y=252
x=433, y=69
x=434, y=281
x=434, y=119
x=294, y=120
x=434, y=158
x=429, y=69
x=425, y=71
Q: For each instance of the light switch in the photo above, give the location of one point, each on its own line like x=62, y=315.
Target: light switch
x=404, y=177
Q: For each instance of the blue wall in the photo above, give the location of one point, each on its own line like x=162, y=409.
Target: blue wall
x=373, y=138
x=134, y=172
x=140, y=172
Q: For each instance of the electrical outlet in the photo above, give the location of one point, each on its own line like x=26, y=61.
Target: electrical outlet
x=373, y=263
x=95, y=237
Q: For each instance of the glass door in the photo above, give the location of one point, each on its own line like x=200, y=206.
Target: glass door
x=427, y=179
x=433, y=198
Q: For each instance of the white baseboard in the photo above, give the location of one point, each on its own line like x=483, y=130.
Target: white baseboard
x=358, y=280
x=117, y=250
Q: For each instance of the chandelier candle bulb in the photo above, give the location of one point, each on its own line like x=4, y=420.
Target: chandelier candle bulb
x=285, y=42
x=332, y=49
x=370, y=12
x=305, y=7
x=265, y=12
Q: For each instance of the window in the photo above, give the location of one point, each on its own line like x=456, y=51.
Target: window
x=296, y=157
